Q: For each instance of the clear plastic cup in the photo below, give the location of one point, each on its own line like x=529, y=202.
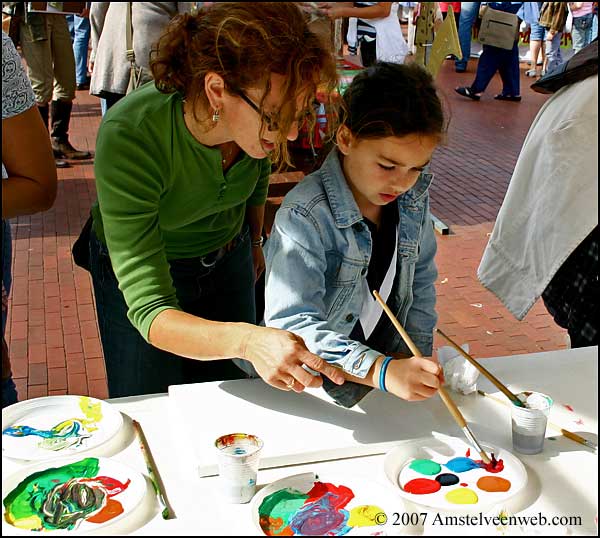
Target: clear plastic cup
x=238, y=455
x=529, y=422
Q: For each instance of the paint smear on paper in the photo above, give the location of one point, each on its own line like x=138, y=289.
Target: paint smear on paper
x=68, y=433
x=427, y=467
x=60, y=498
x=493, y=483
x=319, y=512
x=462, y=496
x=568, y=407
x=422, y=486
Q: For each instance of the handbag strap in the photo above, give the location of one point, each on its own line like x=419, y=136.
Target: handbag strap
x=129, y=35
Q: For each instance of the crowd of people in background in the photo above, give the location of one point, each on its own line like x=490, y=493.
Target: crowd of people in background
x=223, y=87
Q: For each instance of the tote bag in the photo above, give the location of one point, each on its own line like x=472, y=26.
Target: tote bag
x=498, y=28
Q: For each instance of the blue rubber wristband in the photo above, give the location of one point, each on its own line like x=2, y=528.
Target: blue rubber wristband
x=382, y=372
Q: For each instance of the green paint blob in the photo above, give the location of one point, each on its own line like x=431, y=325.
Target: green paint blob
x=281, y=505
x=23, y=505
x=427, y=467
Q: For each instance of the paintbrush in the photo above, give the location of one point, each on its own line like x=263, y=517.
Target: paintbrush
x=502, y=388
x=157, y=483
x=568, y=434
x=454, y=411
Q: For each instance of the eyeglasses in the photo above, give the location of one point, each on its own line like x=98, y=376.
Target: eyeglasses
x=272, y=121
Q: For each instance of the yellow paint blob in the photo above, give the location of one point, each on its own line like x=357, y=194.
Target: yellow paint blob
x=462, y=496
x=92, y=412
x=364, y=516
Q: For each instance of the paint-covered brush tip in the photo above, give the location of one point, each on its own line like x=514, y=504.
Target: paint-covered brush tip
x=494, y=461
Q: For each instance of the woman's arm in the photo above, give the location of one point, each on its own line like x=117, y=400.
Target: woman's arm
x=378, y=11
x=27, y=156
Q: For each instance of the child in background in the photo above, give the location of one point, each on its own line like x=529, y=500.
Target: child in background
x=361, y=223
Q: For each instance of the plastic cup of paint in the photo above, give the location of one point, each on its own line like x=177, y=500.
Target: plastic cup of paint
x=529, y=422
x=238, y=455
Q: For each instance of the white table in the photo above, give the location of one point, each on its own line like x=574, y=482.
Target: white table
x=562, y=479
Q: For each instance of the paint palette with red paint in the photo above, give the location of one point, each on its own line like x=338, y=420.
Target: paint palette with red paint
x=444, y=473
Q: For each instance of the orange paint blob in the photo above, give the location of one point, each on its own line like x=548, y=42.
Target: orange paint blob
x=112, y=509
x=493, y=483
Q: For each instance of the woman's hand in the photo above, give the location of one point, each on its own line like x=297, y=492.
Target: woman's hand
x=278, y=356
x=414, y=379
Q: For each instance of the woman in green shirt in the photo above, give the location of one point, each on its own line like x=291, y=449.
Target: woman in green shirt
x=182, y=169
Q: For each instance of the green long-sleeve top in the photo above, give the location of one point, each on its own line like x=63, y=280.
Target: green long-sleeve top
x=162, y=195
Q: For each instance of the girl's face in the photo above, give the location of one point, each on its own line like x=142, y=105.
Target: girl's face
x=381, y=169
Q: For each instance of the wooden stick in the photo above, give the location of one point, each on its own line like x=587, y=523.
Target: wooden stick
x=568, y=434
x=501, y=387
x=454, y=410
x=157, y=483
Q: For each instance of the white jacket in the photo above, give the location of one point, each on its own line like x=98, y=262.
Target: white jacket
x=552, y=201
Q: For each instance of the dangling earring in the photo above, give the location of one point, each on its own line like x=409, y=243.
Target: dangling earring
x=216, y=115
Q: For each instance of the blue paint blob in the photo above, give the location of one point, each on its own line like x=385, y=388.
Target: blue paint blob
x=447, y=479
x=461, y=465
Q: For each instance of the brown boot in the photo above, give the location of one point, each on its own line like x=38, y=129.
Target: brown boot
x=44, y=112
x=61, y=117
x=64, y=149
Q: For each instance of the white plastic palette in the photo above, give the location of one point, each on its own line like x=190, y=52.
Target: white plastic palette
x=367, y=493
x=441, y=450
x=112, y=476
x=55, y=426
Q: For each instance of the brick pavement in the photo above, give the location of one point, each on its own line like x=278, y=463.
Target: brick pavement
x=52, y=330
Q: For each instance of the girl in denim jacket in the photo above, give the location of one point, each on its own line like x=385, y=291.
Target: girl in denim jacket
x=361, y=223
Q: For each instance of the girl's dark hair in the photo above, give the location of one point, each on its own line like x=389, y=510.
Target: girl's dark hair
x=245, y=42
x=390, y=99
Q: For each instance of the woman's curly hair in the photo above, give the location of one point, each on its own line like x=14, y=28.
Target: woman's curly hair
x=245, y=42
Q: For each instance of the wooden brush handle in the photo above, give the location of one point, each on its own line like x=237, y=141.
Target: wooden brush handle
x=454, y=410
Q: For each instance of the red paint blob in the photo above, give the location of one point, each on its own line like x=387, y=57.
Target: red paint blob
x=422, y=486
x=569, y=407
x=341, y=495
x=463, y=484
x=468, y=454
x=495, y=466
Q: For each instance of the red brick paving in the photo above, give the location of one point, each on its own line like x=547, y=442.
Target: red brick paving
x=52, y=330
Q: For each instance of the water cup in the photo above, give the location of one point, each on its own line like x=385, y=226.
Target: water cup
x=238, y=455
x=529, y=422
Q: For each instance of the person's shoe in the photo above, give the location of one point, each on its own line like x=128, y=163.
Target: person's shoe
x=460, y=69
x=465, y=91
x=83, y=86
x=63, y=149
x=531, y=73
x=515, y=98
x=61, y=164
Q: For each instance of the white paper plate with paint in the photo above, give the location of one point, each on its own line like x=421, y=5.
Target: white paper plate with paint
x=354, y=505
x=56, y=426
x=75, y=496
x=443, y=473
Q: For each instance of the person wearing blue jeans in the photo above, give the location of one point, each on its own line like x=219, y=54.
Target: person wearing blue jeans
x=79, y=27
x=221, y=287
x=554, y=55
x=494, y=59
x=469, y=11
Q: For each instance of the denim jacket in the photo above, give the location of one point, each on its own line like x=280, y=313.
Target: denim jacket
x=316, y=259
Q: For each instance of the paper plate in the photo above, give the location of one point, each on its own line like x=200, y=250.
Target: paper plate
x=417, y=461
x=355, y=505
x=53, y=426
x=89, y=494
